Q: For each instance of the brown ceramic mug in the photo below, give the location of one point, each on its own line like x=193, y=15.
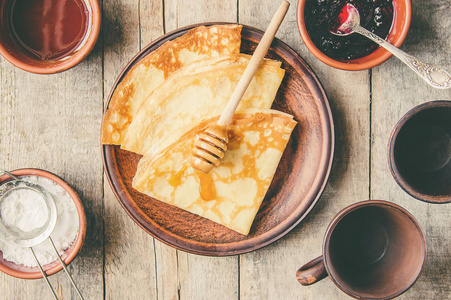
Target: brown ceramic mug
x=372, y=250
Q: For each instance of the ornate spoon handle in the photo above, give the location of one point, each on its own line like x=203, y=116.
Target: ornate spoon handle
x=433, y=75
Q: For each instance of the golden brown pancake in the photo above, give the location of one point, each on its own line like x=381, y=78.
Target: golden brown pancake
x=183, y=100
x=197, y=44
x=231, y=193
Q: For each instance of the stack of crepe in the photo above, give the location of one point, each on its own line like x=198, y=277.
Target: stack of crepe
x=173, y=94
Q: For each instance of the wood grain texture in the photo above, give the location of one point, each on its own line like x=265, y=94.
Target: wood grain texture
x=180, y=13
x=53, y=122
x=396, y=89
x=130, y=262
x=46, y=122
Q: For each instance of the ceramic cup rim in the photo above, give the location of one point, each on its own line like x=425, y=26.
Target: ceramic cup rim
x=344, y=212
x=78, y=244
x=400, y=180
x=367, y=62
x=71, y=62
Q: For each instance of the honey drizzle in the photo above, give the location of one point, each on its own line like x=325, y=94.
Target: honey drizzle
x=176, y=178
x=234, y=141
x=207, y=189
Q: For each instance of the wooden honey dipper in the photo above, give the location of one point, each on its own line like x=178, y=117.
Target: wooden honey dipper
x=211, y=145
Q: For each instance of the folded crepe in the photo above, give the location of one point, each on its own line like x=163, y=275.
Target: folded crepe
x=231, y=193
x=197, y=44
x=183, y=100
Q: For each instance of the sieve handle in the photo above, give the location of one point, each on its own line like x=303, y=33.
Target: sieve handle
x=65, y=269
x=44, y=275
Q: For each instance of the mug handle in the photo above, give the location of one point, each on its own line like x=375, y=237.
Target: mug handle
x=312, y=272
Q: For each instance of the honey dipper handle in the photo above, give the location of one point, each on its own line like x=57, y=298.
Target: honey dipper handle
x=253, y=65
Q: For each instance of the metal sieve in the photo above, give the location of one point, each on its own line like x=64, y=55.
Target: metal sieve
x=27, y=238
x=13, y=235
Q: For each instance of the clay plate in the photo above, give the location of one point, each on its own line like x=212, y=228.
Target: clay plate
x=297, y=185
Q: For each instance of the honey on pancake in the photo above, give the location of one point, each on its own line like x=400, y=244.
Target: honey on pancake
x=234, y=141
x=183, y=101
x=176, y=178
x=207, y=189
x=231, y=193
x=150, y=72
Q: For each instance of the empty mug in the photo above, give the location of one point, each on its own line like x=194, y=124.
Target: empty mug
x=372, y=249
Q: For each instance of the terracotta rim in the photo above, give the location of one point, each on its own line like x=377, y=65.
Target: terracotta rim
x=358, y=205
x=74, y=249
x=269, y=237
x=439, y=199
x=57, y=67
x=375, y=58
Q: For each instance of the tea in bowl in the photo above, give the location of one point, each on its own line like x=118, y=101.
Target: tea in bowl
x=48, y=37
x=419, y=152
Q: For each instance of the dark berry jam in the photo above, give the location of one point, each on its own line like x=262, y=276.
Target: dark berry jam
x=320, y=15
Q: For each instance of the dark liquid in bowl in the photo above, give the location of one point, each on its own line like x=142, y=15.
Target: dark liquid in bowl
x=375, y=16
x=422, y=151
x=49, y=29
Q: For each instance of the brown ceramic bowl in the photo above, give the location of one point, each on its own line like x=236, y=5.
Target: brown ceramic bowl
x=419, y=152
x=21, y=271
x=400, y=27
x=12, y=52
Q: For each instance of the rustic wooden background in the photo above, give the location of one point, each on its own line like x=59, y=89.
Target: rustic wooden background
x=53, y=122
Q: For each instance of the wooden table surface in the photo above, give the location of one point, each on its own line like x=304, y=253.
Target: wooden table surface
x=53, y=122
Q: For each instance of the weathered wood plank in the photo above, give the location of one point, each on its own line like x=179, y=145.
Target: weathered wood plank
x=130, y=267
x=179, y=13
x=270, y=273
x=167, y=271
x=396, y=89
x=47, y=122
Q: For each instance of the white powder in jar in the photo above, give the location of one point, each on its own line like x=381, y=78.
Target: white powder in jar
x=64, y=234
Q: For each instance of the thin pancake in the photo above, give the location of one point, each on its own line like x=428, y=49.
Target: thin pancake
x=231, y=193
x=198, y=43
x=183, y=101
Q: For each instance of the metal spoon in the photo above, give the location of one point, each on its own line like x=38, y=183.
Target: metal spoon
x=433, y=75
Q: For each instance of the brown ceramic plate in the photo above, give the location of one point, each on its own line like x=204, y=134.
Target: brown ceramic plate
x=297, y=185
